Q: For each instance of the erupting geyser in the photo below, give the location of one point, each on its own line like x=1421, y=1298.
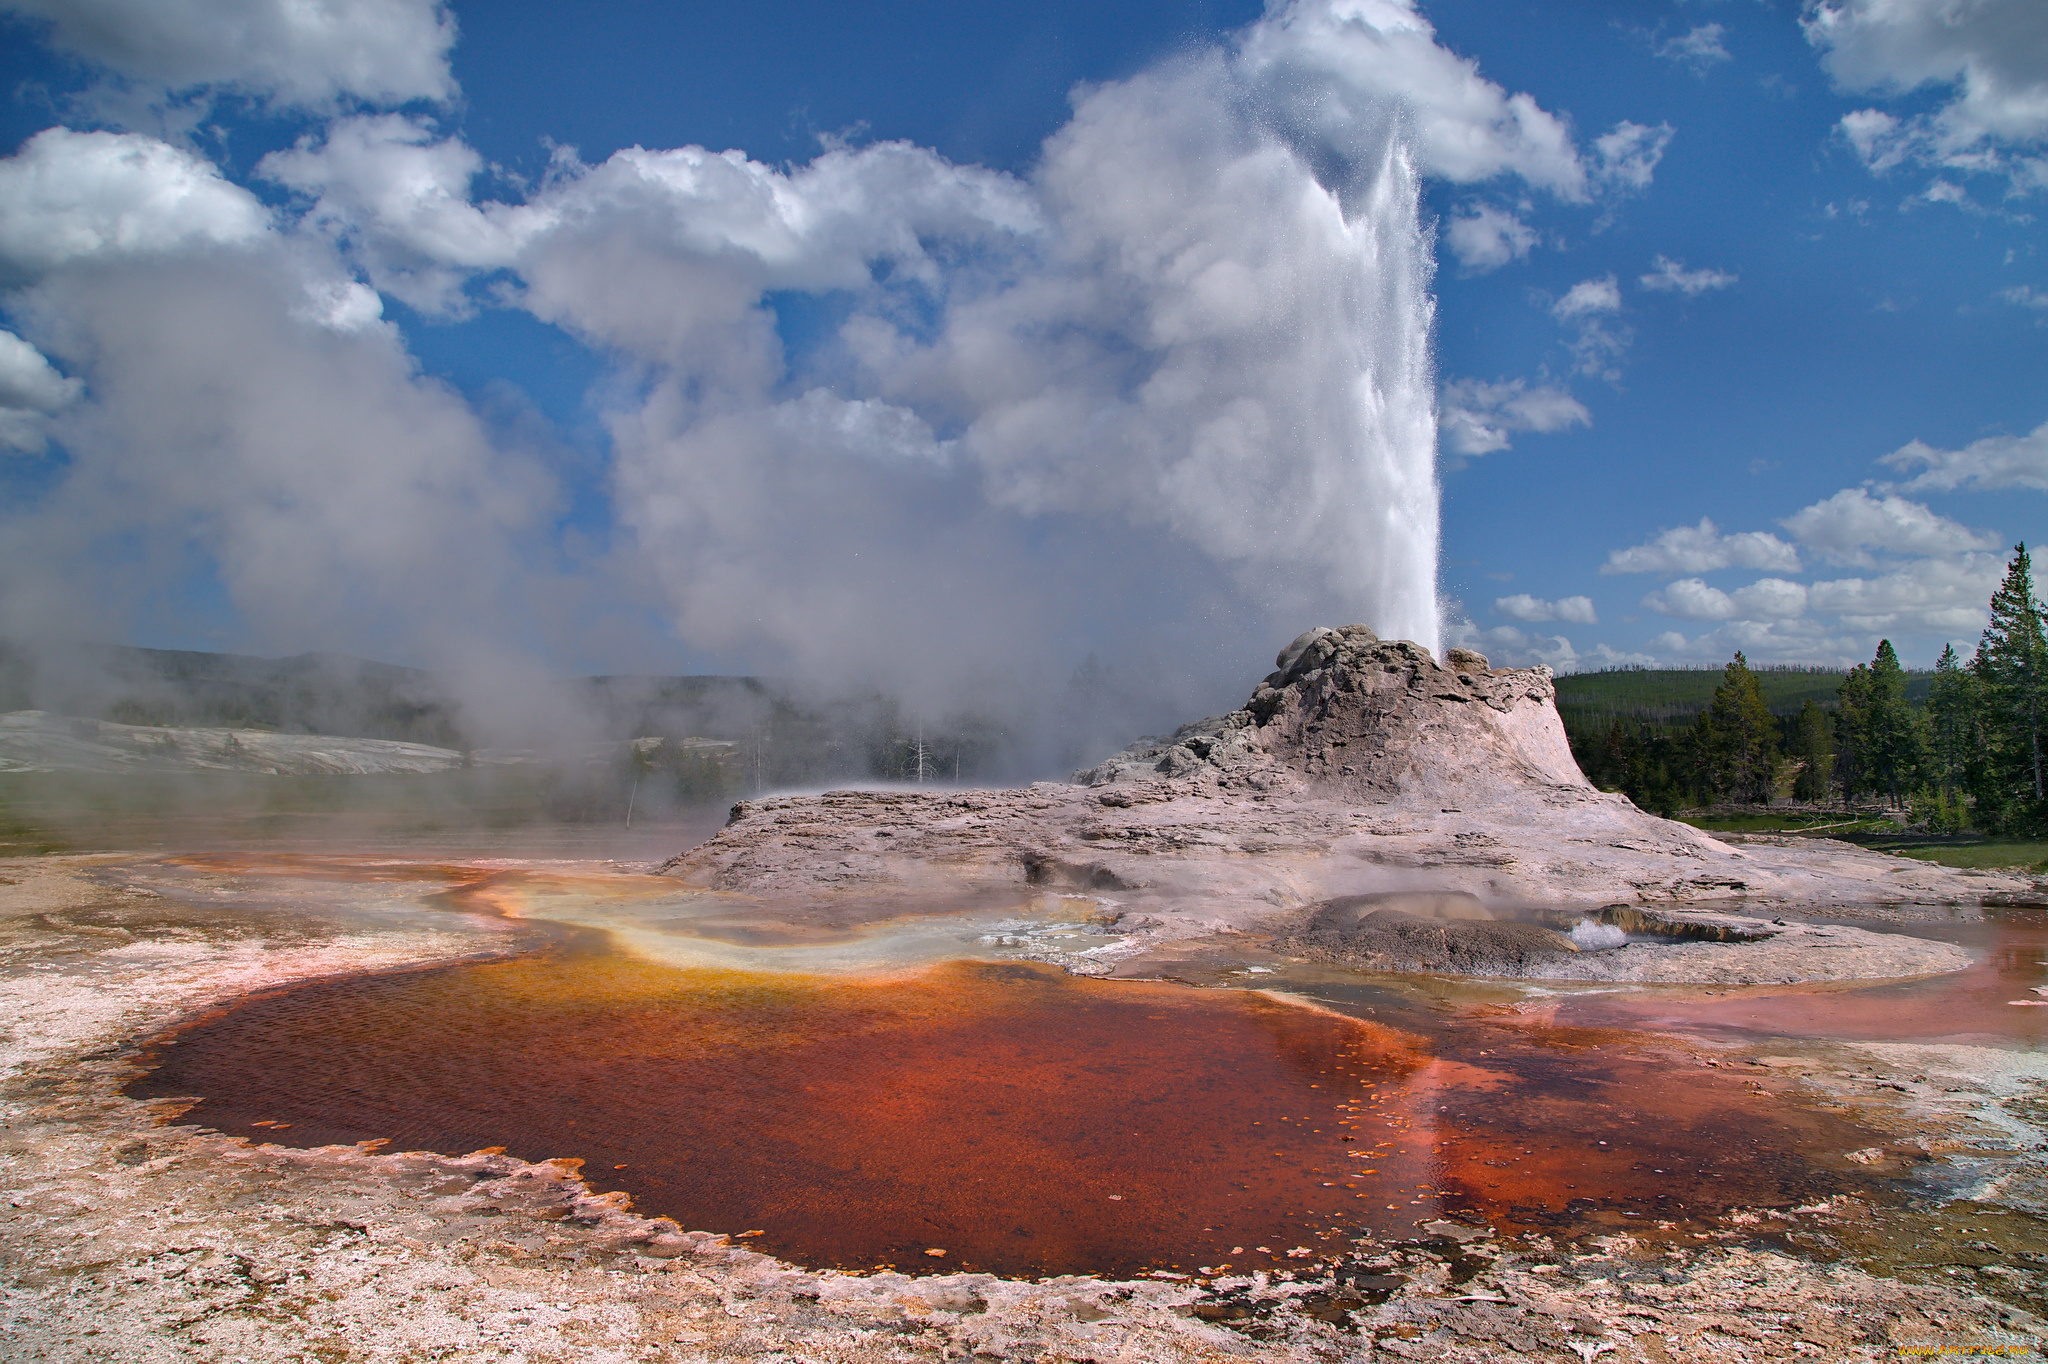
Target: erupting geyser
x=1189, y=354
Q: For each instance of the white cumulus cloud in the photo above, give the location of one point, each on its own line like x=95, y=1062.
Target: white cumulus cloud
x=1989, y=57
x=1993, y=462
x=1766, y=599
x=1571, y=610
x=1627, y=157
x=1692, y=599
x=1770, y=599
x=1478, y=418
x=1702, y=549
x=1697, y=48
x=28, y=381
x=1946, y=596
x=303, y=52
x=1598, y=341
x=69, y=195
x=406, y=191
x=1847, y=526
x=1508, y=647
x=1802, y=641
x=1600, y=295
x=1670, y=276
x=1334, y=64
x=1484, y=237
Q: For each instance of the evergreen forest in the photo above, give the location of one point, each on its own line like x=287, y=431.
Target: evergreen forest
x=1960, y=748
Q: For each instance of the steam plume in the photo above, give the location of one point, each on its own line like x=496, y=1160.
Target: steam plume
x=879, y=419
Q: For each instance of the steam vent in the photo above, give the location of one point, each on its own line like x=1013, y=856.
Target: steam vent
x=1359, y=767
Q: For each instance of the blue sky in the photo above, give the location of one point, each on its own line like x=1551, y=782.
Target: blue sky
x=372, y=331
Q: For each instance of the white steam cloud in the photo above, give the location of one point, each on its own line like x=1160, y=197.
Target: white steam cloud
x=1168, y=396
x=31, y=390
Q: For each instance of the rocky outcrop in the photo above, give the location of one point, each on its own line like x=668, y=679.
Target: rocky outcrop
x=1349, y=716
x=1359, y=767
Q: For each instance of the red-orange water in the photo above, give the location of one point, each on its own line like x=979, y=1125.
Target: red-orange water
x=1023, y=1121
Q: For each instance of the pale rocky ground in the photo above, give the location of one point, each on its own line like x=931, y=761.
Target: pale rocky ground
x=124, y=1239
x=1360, y=766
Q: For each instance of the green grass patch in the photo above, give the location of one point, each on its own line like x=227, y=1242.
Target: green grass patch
x=1991, y=854
x=20, y=838
x=1784, y=824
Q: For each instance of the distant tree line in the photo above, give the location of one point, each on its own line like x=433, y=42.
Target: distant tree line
x=1972, y=757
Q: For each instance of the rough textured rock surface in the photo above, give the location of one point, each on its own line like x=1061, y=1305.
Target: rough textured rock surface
x=1359, y=766
x=1388, y=940
x=1352, y=717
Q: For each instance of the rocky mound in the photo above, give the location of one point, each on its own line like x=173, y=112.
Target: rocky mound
x=1349, y=716
x=1359, y=767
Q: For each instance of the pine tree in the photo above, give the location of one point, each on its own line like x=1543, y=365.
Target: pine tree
x=1891, y=740
x=1852, y=716
x=1813, y=745
x=1616, y=757
x=1659, y=787
x=1737, y=740
x=2011, y=668
x=1954, y=732
x=1694, y=764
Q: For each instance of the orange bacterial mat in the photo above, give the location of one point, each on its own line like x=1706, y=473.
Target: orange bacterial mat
x=1021, y=1120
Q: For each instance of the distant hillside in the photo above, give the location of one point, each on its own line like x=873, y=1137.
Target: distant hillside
x=37, y=741
x=310, y=693
x=782, y=734
x=1672, y=697
x=333, y=694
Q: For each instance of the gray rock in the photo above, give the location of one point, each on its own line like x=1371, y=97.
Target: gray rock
x=1347, y=911
x=1389, y=940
